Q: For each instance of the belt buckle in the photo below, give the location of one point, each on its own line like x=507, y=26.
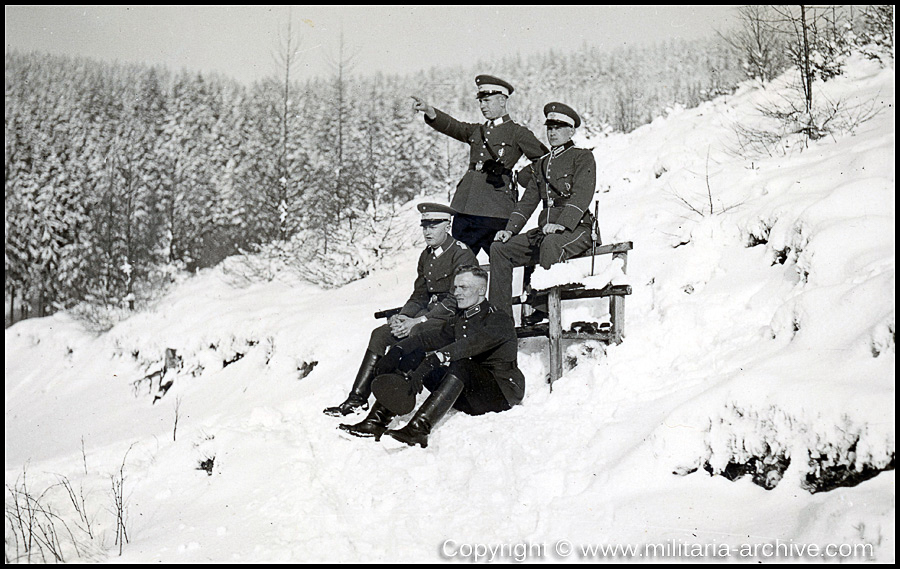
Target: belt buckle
x=478, y=166
x=550, y=202
x=434, y=298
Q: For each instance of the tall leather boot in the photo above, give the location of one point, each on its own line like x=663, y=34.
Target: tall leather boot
x=432, y=410
x=374, y=425
x=362, y=388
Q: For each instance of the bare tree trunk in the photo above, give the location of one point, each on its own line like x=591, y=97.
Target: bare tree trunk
x=288, y=60
x=342, y=197
x=807, y=70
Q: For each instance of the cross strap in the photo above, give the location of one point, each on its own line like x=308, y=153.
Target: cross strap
x=486, y=145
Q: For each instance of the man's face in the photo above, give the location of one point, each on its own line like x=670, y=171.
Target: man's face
x=435, y=233
x=493, y=106
x=468, y=290
x=558, y=135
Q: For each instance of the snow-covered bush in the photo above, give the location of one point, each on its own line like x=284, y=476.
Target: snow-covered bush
x=764, y=442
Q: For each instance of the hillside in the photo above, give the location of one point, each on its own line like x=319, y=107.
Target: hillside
x=760, y=337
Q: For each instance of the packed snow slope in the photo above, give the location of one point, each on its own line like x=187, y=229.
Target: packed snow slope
x=758, y=335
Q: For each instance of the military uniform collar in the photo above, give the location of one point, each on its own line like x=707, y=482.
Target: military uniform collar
x=557, y=150
x=498, y=121
x=473, y=310
x=440, y=249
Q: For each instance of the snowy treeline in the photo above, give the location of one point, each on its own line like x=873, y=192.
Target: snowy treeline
x=120, y=176
x=117, y=175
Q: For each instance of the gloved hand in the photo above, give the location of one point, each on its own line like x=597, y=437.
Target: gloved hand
x=535, y=236
x=493, y=171
x=418, y=375
x=389, y=362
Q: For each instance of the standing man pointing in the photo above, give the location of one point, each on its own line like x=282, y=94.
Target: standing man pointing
x=487, y=194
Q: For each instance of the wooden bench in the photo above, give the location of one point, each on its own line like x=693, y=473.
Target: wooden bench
x=553, y=330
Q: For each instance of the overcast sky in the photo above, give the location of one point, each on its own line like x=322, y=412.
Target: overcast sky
x=239, y=40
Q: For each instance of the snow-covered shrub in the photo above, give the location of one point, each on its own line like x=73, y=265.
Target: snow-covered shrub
x=765, y=442
x=876, y=40
x=348, y=254
x=99, y=318
x=757, y=233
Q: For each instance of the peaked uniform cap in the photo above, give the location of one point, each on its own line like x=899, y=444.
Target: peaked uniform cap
x=435, y=211
x=396, y=392
x=488, y=85
x=559, y=113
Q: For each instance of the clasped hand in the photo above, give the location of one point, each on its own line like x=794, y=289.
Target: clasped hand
x=401, y=325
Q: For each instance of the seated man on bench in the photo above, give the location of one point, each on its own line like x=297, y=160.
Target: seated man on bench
x=564, y=181
x=430, y=305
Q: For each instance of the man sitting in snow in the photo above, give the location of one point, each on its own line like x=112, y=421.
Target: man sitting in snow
x=430, y=305
x=564, y=181
x=472, y=367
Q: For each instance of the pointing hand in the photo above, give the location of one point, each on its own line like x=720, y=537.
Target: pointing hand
x=423, y=107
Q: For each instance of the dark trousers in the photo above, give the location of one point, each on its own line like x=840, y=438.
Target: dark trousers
x=382, y=339
x=477, y=231
x=520, y=251
x=481, y=393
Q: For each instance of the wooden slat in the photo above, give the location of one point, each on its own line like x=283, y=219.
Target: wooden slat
x=623, y=247
x=533, y=331
x=617, y=249
x=543, y=331
x=601, y=336
x=608, y=290
x=578, y=293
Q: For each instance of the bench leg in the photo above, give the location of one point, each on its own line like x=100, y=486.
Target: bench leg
x=555, y=313
x=617, y=305
x=617, y=318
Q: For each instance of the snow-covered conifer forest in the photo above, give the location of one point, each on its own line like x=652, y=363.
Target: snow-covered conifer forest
x=192, y=266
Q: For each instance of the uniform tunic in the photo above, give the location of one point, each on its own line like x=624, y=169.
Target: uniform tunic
x=431, y=293
x=431, y=296
x=509, y=141
x=484, y=337
x=564, y=181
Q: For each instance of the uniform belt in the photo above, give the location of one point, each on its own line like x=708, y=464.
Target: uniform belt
x=586, y=219
x=501, y=366
x=478, y=166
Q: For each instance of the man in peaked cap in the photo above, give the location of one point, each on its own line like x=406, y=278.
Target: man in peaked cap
x=563, y=181
x=487, y=193
x=429, y=306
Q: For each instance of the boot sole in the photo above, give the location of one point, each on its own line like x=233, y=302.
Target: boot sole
x=345, y=433
x=392, y=445
x=407, y=443
x=335, y=412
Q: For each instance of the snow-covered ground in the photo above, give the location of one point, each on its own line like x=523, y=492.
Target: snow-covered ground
x=763, y=332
